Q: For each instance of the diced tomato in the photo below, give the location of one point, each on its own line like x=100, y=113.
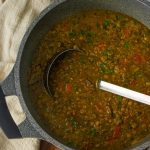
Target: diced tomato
x=116, y=132
x=69, y=88
x=126, y=32
x=133, y=82
x=138, y=58
x=101, y=46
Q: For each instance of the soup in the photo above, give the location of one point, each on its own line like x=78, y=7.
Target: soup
x=115, y=48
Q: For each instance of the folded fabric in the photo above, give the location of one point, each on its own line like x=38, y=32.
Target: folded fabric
x=15, y=18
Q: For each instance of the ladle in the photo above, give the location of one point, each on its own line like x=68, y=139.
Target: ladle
x=133, y=95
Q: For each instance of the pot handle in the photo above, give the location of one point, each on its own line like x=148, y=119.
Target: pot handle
x=8, y=85
x=6, y=121
x=11, y=130
x=27, y=130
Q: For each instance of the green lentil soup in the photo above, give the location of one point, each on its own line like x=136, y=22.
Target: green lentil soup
x=116, y=49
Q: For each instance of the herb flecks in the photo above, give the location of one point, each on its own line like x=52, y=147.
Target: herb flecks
x=126, y=45
x=74, y=122
x=106, y=24
x=119, y=99
x=105, y=69
x=93, y=132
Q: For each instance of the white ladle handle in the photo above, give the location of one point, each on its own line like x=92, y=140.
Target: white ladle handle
x=124, y=92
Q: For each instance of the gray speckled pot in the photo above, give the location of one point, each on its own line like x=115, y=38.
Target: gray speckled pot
x=16, y=83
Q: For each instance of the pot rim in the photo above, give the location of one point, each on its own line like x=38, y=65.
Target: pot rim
x=41, y=131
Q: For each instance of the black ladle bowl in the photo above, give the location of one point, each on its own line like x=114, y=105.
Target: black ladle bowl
x=52, y=63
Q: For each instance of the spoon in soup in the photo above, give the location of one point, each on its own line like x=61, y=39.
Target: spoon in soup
x=109, y=87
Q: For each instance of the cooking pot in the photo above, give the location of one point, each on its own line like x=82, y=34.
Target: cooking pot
x=17, y=82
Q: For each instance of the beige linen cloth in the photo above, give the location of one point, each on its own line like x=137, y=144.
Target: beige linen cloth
x=15, y=18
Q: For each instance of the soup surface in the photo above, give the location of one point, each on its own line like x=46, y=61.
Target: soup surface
x=115, y=48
